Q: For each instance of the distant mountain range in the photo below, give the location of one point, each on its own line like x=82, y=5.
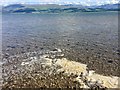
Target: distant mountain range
x=54, y=8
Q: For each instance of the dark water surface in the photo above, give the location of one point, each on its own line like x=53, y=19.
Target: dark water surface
x=90, y=38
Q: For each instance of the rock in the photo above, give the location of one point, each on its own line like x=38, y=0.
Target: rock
x=33, y=58
x=7, y=55
x=36, y=46
x=25, y=63
x=8, y=49
x=57, y=50
x=41, y=48
x=110, y=61
x=11, y=46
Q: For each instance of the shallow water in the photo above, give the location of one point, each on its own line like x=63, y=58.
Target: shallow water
x=90, y=38
x=50, y=69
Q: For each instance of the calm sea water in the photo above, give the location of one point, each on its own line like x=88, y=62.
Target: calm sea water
x=91, y=27
x=85, y=37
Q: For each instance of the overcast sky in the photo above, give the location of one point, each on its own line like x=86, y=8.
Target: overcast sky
x=83, y=2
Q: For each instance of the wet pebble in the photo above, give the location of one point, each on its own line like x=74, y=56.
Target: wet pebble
x=6, y=55
x=41, y=48
x=11, y=46
x=68, y=44
x=36, y=46
x=110, y=61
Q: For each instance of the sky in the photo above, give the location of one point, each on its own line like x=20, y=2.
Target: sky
x=83, y=2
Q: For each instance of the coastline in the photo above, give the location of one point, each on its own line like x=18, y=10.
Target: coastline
x=52, y=64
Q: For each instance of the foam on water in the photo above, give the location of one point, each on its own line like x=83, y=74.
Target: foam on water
x=49, y=60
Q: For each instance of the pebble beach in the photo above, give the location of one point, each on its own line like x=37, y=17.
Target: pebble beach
x=74, y=51
x=49, y=69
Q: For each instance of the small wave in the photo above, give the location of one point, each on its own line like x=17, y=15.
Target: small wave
x=49, y=62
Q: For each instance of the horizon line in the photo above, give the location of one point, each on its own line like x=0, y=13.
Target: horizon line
x=41, y=3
